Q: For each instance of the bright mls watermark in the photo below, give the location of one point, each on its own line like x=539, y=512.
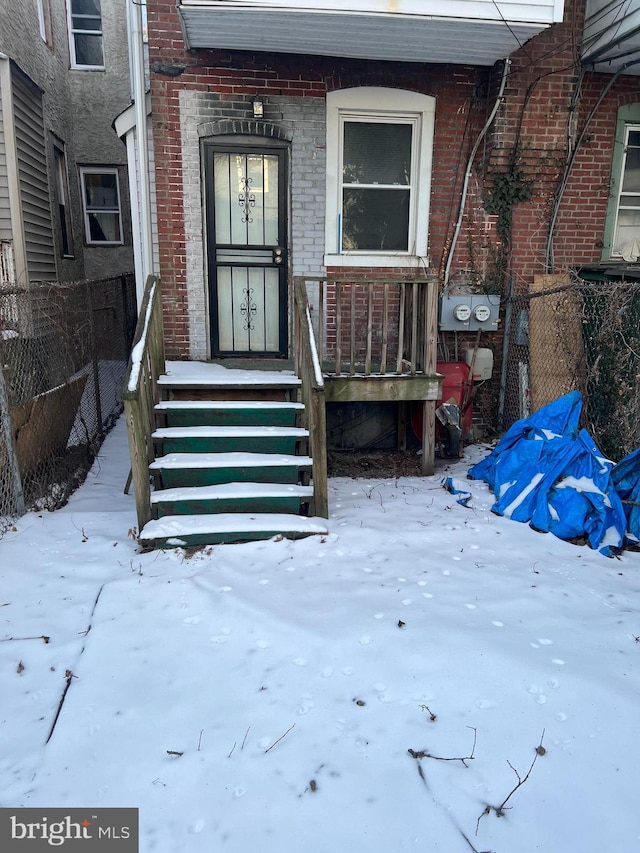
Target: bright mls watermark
x=72, y=830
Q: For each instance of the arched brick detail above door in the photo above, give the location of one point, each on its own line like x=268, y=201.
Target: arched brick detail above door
x=244, y=127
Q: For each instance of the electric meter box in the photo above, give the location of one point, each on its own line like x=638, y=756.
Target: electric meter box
x=482, y=363
x=469, y=312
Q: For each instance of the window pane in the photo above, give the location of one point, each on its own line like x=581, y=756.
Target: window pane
x=104, y=227
x=627, y=230
x=376, y=153
x=88, y=50
x=375, y=220
x=93, y=24
x=85, y=7
x=101, y=190
x=631, y=177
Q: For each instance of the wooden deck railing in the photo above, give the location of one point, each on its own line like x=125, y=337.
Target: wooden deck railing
x=141, y=394
x=308, y=369
x=381, y=327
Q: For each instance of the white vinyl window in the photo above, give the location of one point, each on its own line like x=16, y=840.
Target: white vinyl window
x=379, y=152
x=85, y=34
x=626, y=237
x=101, y=206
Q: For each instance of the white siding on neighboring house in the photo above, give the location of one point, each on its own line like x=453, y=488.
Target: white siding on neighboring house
x=5, y=210
x=33, y=178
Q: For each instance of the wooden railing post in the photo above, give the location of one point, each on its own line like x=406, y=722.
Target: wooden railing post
x=430, y=360
x=309, y=370
x=141, y=394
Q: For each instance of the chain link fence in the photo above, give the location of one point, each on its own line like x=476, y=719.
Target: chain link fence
x=63, y=356
x=572, y=334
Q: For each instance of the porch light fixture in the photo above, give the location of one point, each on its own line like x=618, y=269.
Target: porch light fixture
x=258, y=108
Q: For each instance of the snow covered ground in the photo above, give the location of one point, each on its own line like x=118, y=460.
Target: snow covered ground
x=384, y=688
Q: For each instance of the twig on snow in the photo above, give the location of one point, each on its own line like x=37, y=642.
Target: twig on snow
x=269, y=748
x=16, y=639
x=499, y=810
x=425, y=754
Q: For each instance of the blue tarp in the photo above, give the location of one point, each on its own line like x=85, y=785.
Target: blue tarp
x=547, y=472
x=626, y=479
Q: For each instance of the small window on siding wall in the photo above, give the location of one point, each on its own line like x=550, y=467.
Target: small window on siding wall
x=62, y=199
x=44, y=20
x=85, y=34
x=101, y=205
x=622, y=232
x=379, y=149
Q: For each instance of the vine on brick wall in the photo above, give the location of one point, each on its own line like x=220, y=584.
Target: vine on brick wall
x=507, y=189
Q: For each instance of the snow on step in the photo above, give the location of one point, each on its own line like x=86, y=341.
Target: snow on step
x=177, y=526
x=231, y=490
x=196, y=373
x=225, y=405
x=229, y=432
x=229, y=460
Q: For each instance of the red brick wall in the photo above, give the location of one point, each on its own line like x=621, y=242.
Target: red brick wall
x=461, y=95
x=580, y=227
x=533, y=118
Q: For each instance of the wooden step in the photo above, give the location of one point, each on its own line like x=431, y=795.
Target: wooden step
x=230, y=439
x=176, y=531
x=208, y=469
x=232, y=497
x=202, y=380
x=228, y=413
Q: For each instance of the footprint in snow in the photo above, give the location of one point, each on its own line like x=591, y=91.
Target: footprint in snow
x=485, y=704
x=539, y=696
x=498, y=624
x=304, y=707
x=192, y=620
x=327, y=672
x=197, y=827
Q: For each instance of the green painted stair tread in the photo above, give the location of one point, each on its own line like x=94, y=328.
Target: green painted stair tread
x=232, y=497
x=228, y=412
x=180, y=530
x=230, y=432
x=230, y=460
x=205, y=375
x=206, y=469
x=225, y=405
x=232, y=490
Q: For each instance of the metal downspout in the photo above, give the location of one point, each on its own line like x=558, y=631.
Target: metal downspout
x=134, y=12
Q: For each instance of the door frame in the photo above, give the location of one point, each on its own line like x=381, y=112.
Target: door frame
x=247, y=146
